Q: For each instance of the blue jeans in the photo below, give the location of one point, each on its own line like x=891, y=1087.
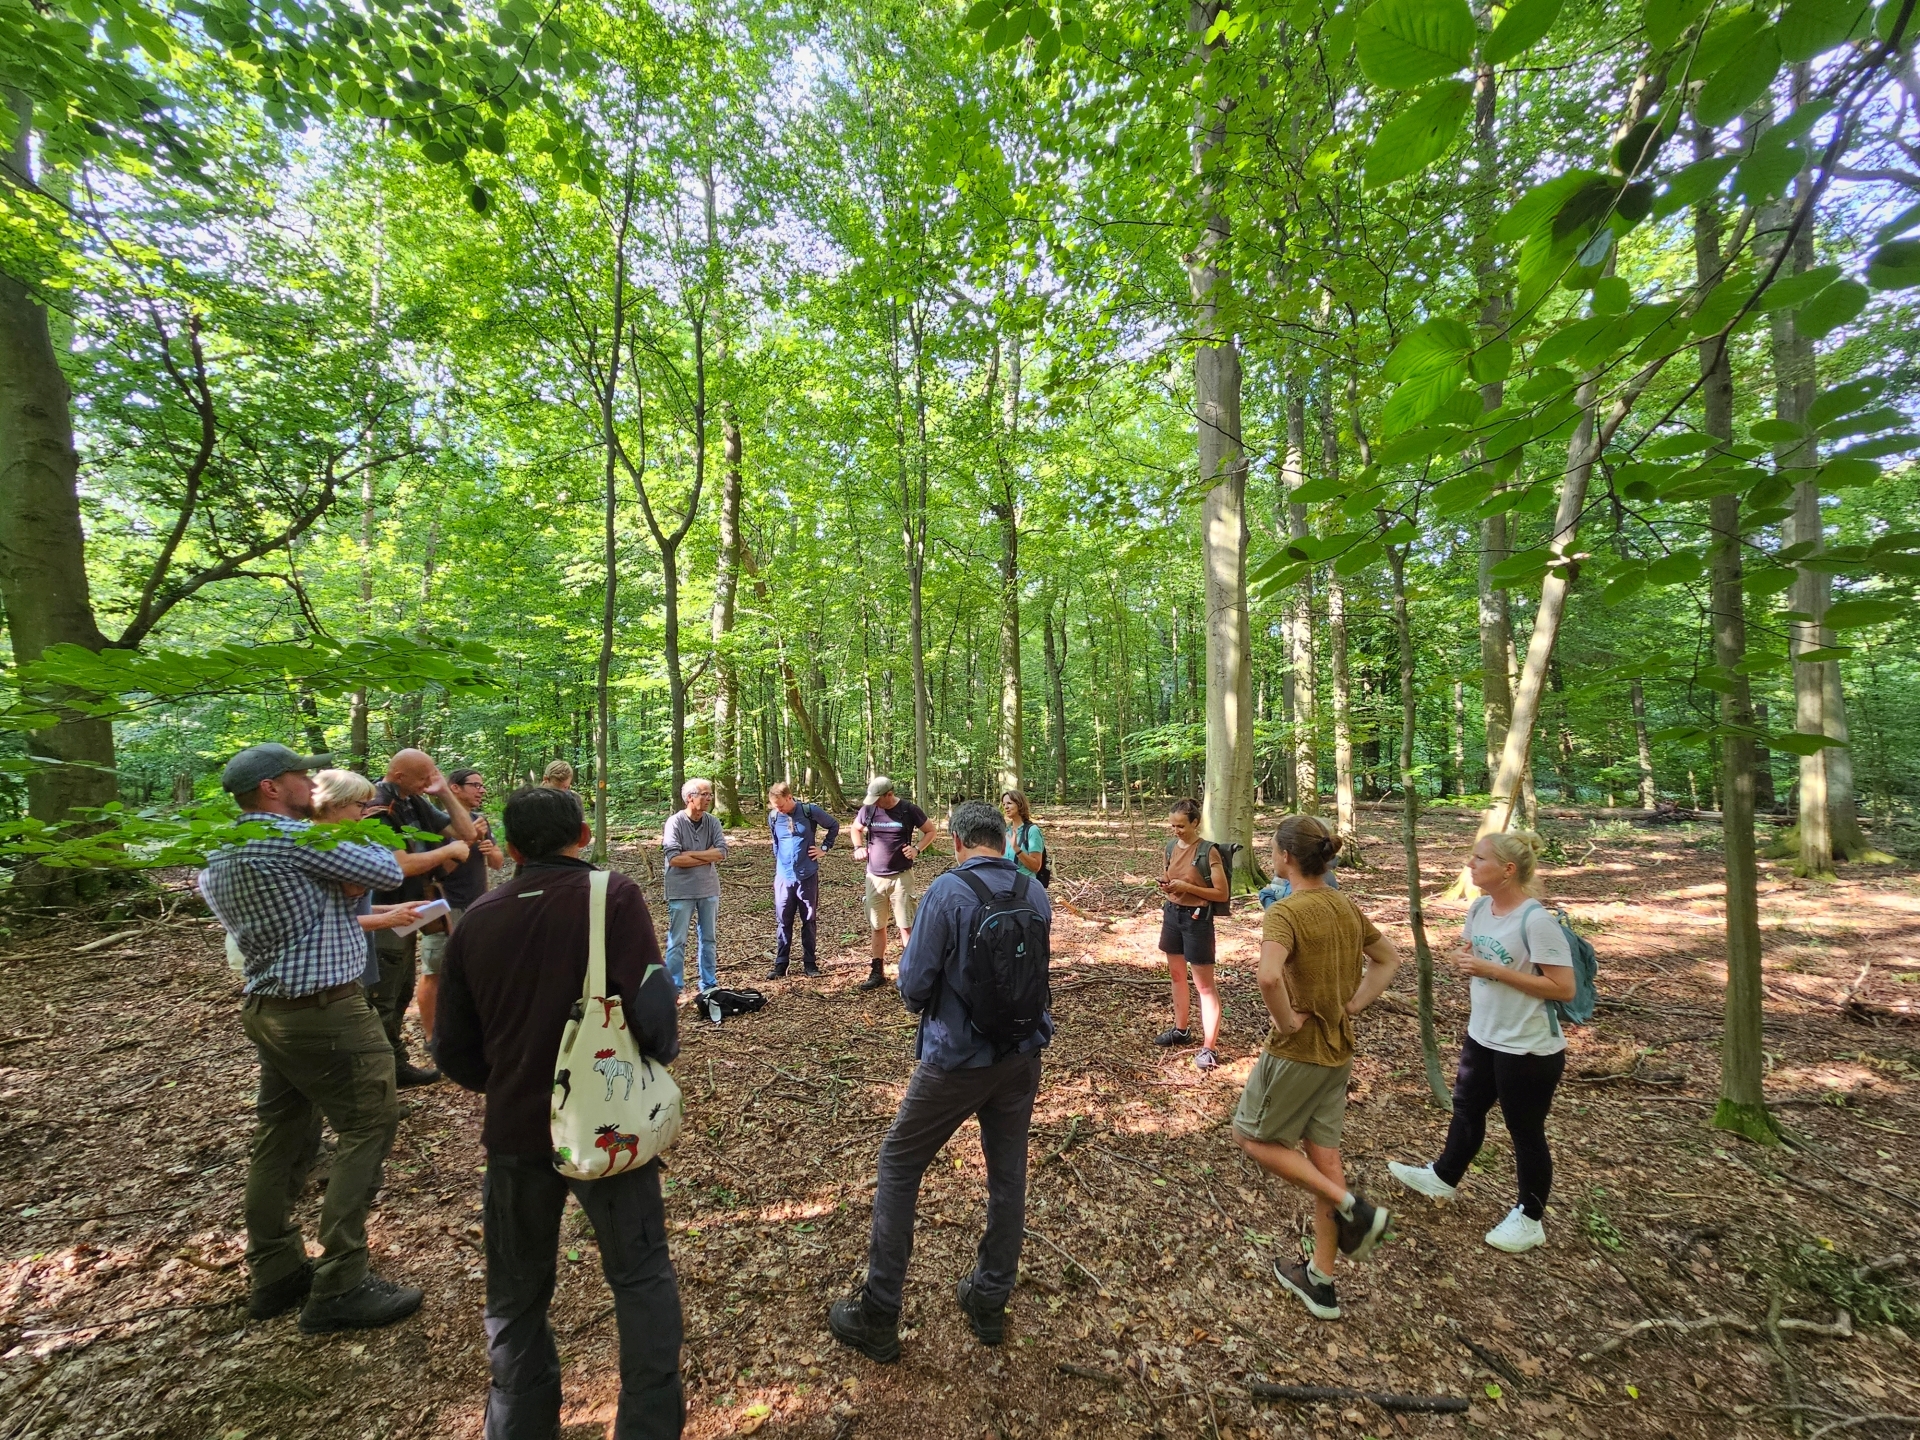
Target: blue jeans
x=707, y=910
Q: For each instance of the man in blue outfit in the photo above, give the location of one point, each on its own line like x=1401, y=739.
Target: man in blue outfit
x=796, y=874
x=960, y=1073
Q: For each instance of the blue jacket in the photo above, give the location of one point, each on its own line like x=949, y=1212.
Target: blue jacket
x=941, y=926
x=808, y=817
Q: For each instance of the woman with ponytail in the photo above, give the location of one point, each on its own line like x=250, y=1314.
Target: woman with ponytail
x=1516, y=958
x=1295, y=1103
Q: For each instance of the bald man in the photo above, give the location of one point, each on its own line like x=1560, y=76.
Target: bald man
x=403, y=794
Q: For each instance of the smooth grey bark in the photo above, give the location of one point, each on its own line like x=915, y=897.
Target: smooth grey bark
x=1056, y=659
x=1305, y=774
x=726, y=585
x=1012, y=729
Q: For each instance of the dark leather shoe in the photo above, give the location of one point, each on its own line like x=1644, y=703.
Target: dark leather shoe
x=810, y=969
x=874, y=981
x=282, y=1295
x=989, y=1322
x=372, y=1303
x=778, y=972
x=408, y=1076
x=873, y=1333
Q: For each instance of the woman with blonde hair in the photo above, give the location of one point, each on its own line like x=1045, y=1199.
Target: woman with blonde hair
x=557, y=776
x=1517, y=959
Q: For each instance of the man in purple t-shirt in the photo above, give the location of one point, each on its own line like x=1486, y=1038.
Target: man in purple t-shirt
x=883, y=836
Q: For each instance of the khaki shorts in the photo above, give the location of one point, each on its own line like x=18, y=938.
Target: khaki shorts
x=433, y=948
x=1286, y=1100
x=891, y=890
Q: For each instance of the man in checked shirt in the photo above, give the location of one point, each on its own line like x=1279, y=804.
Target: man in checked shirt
x=288, y=907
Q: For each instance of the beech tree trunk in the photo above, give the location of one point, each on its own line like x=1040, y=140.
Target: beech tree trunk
x=1649, y=795
x=1306, y=779
x=43, y=564
x=1742, y=1107
x=1227, y=810
x=726, y=584
x=1012, y=735
x=1410, y=834
x=1057, y=702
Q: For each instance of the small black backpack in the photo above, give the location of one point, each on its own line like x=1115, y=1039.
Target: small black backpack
x=1003, y=965
x=1045, y=873
x=718, y=1005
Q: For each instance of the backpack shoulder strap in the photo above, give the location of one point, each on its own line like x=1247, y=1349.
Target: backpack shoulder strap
x=597, y=933
x=1021, y=885
x=974, y=883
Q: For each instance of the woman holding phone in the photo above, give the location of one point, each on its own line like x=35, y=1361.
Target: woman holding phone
x=1193, y=878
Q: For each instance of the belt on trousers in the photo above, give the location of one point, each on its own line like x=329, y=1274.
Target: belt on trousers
x=307, y=1002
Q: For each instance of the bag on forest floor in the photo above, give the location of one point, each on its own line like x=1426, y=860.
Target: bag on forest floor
x=614, y=1110
x=1586, y=975
x=718, y=1005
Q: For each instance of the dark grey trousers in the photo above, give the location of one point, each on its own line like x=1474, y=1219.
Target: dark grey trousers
x=524, y=1196
x=938, y=1103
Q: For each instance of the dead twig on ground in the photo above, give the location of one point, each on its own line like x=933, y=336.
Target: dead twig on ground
x=1494, y=1361
x=1668, y=1322
x=1787, y=1372
x=129, y=1319
x=1059, y=1250
x=1310, y=1394
x=1854, y=1422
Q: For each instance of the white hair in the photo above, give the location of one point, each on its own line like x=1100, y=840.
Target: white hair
x=697, y=783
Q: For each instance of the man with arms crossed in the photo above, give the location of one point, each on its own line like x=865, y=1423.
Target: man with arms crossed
x=321, y=1048
x=693, y=845
x=883, y=837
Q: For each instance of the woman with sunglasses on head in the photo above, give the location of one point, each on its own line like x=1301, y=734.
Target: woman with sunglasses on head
x=1517, y=959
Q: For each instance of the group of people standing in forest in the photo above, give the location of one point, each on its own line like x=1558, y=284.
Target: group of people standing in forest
x=328, y=937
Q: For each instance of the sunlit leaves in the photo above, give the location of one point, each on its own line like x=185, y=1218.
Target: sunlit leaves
x=1895, y=266
x=1812, y=27
x=1739, y=82
x=1667, y=20
x=1525, y=24
x=1852, y=614
x=1404, y=43
x=1830, y=309
x=1418, y=135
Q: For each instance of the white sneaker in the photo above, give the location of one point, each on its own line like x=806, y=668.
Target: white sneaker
x=1422, y=1180
x=1517, y=1233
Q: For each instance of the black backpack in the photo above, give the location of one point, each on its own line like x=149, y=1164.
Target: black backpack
x=718, y=1005
x=1003, y=965
x=1045, y=873
x=1226, y=850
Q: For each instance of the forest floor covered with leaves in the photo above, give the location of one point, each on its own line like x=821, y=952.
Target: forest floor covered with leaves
x=1690, y=1284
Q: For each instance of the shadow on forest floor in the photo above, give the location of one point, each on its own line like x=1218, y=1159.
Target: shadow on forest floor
x=126, y=1086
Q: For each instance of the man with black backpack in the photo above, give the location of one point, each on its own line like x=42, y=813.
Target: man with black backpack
x=976, y=973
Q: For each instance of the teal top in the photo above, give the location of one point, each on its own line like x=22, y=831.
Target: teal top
x=1028, y=838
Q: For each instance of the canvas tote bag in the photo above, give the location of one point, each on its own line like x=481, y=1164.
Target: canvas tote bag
x=613, y=1108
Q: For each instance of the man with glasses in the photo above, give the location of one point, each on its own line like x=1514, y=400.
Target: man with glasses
x=693, y=845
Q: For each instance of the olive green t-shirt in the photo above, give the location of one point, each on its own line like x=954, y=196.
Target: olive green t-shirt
x=1324, y=933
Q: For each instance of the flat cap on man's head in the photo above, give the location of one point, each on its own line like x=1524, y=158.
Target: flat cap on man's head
x=262, y=762
x=877, y=788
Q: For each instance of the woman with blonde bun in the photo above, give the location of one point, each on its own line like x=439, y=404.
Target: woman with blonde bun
x=1516, y=958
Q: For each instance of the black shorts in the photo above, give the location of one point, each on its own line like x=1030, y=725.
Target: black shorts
x=1187, y=931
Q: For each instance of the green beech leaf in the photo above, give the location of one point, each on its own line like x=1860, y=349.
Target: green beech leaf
x=1899, y=225
x=1668, y=20
x=1884, y=418
x=1895, y=266
x=982, y=14
x=1799, y=742
x=1418, y=135
x=1639, y=147
x=1830, y=404
x=1526, y=565
x=1813, y=27
x=1796, y=289
x=1847, y=473
x=1462, y=493
x=1624, y=586
x=1681, y=568
x=1404, y=43
x=1691, y=184
x=1534, y=210
x=1525, y=24
x=1778, y=432
x=1358, y=558
x=1738, y=83
x=1492, y=362
x=1830, y=309
x=1416, y=400
x=1885, y=445
x=1733, y=26
x=1442, y=343
x=1852, y=614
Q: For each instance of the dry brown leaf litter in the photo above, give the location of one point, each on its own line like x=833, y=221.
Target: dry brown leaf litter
x=125, y=1114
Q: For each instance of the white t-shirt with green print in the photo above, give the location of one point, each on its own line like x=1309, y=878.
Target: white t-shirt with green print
x=1504, y=1018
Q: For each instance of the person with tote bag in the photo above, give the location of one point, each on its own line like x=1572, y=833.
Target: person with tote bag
x=514, y=993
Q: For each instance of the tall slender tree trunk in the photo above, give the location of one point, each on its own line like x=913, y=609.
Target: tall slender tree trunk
x=1649, y=795
x=1342, y=713
x=43, y=563
x=1742, y=1106
x=1227, y=811
x=1306, y=778
x=1012, y=733
x=603, y=669
x=1056, y=654
x=914, y=475
x=1495, y=615
x=1410, y=833
x=726, y=584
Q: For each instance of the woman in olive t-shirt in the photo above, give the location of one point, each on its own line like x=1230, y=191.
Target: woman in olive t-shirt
x=1291, y=1113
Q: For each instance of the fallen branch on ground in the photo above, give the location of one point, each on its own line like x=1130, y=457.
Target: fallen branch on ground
x=1427, y=1404
x=1853, y=1422
x=1841, y=1329
x=1098, y=1283
x=129, y=1319
x=1673, y=1323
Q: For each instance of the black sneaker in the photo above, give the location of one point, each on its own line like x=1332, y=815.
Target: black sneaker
x=407, y=1076
x=1172, y=1035
x=810, y=970
x=282, y=1295
x=1316, y=1295
x=874, y=981
x=1361, y=1231
x=873, y=1333
x=778, y=972
x=989, y=1323
x=370, y=1304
